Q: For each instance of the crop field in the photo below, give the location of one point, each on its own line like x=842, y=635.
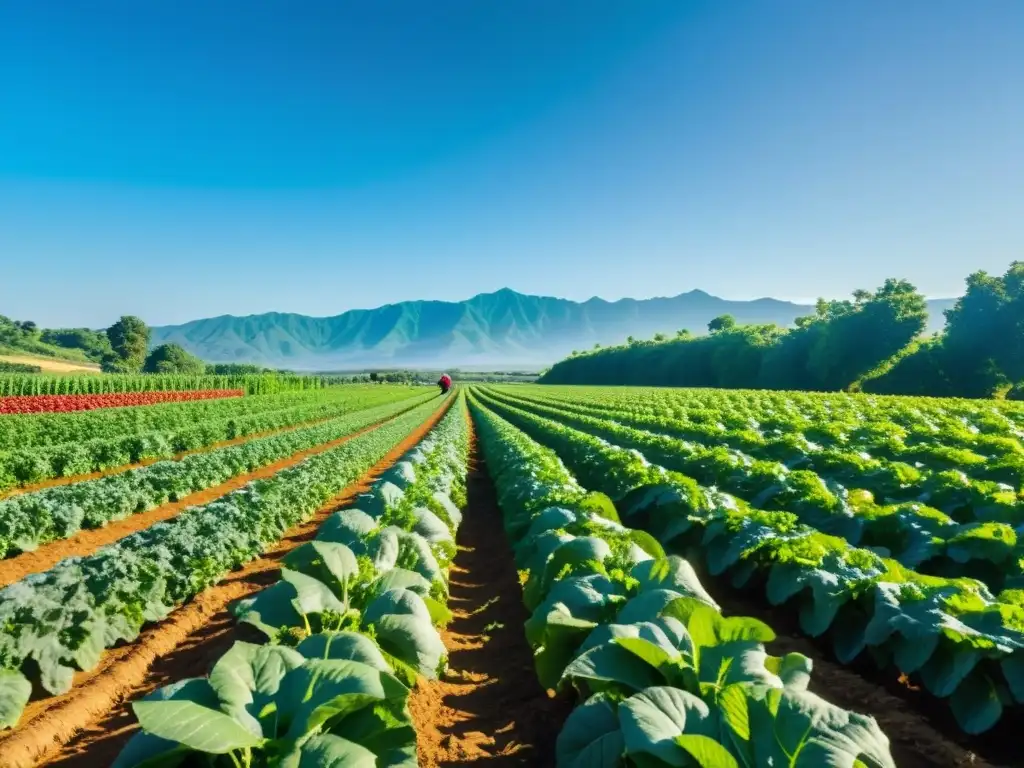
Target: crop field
x=379, y=575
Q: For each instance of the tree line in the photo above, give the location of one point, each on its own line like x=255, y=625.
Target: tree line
x=121, y=348
x=872, y=342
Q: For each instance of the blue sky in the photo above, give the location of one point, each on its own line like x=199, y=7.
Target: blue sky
x=188, y=159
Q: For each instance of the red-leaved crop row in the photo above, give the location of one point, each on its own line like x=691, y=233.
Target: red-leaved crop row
x=64, y=403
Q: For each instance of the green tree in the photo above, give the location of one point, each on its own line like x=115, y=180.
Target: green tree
x=982, y=350
x=129, y=338
x=171, y=358
x=660, y=337
x=722, y=323
x=683, y=333
x=859, y=337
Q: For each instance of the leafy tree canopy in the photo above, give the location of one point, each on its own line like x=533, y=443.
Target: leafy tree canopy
x=171, y=358
x=129, y=338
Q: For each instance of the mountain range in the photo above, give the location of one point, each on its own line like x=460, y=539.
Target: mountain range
x=502, y=330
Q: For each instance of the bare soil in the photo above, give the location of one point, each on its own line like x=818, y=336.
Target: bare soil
x=489, y=708
x=90, y=724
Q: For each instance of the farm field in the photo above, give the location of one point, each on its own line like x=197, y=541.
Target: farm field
x=52, y=365
x=535, y=575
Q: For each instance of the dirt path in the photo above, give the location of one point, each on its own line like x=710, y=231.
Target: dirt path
x=921, y=732
x=489, y=708
x=86, y=542
x=88, y=725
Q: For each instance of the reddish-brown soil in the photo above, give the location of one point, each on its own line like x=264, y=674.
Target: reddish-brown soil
x=489, y=708
x=72, y=479
x=88, y=541
x=921, y=732
x=90, y=724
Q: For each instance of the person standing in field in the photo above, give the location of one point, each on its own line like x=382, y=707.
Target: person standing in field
x=445, y=383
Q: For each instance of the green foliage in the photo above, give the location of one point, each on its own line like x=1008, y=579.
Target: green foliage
x=6, y=367
x=834, y=349
x=94, y=344
x=234, y=369
x=745, y=518
x=171, y=358
x=48, y=630
x=90, y=384
x=129, y=339
x=664, y=679
x=722, y=323
x=347, y=639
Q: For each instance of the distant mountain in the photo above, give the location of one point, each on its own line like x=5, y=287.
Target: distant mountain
x=504, y=328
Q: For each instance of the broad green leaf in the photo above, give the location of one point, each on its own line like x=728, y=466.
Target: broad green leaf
x=270, y=609
x=329, y=751
x=332, y=563
x=707, y=751
x=1013, y=671
x=349, y=527
x=608, y=664
x=709, y=628
x=400, y=578
x=322, y=690
x=312, y=596
x=647, y=606
x=647, y=543
x=430, y=526
x=734, y=709
x=351, y=646
x=398, y=601
x=947, y=668
x=145, y=750
x=246, y=678
x=413, y=639
x=653, y=719
x=794, y=669
x=672, y=573
x=802, y=730
x=576, y=552
x=194, y=726
x=562, y=635
x=656, y=655
x=591, y=737
x=15, y=690
x=976, y=704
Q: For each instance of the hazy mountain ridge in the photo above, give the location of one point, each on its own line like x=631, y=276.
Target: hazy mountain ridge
x=504, y=328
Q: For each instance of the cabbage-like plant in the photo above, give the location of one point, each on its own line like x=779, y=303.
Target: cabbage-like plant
x=271, y=706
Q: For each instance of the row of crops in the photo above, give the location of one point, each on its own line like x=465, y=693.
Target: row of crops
x=63, y=619
x=48, y=446
x=662, y=677
x=886, y=529
x=15, y=384
x=922, y=575
x=65, y=403
x=349, y=627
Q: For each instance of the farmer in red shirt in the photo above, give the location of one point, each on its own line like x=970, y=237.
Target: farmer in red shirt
x=445, y=383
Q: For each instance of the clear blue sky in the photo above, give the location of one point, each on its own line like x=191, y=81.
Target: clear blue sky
x=179, y=160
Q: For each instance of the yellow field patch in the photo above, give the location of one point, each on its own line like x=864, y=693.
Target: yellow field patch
x=50, y=365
